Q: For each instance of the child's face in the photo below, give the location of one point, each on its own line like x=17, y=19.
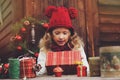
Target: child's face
x=61, y=36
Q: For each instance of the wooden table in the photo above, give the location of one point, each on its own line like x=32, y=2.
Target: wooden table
x=68, y=77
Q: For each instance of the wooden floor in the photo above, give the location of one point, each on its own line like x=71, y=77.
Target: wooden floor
x=67, y=77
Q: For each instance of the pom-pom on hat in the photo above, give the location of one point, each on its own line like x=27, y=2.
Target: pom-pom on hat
x=60, y=17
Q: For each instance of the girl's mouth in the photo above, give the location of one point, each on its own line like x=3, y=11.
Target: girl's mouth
x=61, y=42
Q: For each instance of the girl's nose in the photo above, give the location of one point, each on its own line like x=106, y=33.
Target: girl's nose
x=61, y=36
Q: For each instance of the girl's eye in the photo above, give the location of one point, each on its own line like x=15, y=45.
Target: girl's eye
x=57, y=33
x=65, y=33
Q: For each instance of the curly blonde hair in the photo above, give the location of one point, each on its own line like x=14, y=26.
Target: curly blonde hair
x=46, y=41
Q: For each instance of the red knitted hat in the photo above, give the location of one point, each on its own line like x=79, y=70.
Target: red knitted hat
x=60, y=16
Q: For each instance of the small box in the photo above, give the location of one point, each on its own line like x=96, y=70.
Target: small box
x=94, y=63
x=65, y=59
x=110, y=61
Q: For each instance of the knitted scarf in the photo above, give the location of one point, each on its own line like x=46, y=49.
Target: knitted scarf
x=55, y=47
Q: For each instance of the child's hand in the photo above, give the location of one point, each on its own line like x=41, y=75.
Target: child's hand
x=37, y=67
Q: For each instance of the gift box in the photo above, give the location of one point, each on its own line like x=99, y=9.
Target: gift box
x=26, y=67
x=65, y=59
x=14, y=68
x=94, y=63
x=110, y=61
x=81, y=71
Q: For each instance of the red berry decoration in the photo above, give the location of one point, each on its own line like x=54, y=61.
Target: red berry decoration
x=18, y=37
x=36, y=54
x=23, y=29
x=46, y=25
x=6, y=65
x=19, y=48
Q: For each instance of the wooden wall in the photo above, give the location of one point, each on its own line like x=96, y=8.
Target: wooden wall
x=109, y=22
x=102, y=24
x=10, y=11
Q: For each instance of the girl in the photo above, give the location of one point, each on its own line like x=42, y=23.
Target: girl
x=60, y=35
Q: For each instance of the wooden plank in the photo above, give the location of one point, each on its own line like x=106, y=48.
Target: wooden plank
x=18, y=10
x=1, y=19
x=104, y=43
x=7, y=12
x=2, y=2
x=37, y=10
x=80, y=20
x=109, y=19
x=91, y=24
x=72, y=3
x=109, y=28
x=109, y=2
x=81, y=13
x=28, y=7
x=95, y=27
x=110, y=37
x=7, y=21
x=5, y=31
x=42, y=10
x=6, y=40
x=110, y=10
x=5, y=5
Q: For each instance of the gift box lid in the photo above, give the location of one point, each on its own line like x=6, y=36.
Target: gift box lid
x=63, y=58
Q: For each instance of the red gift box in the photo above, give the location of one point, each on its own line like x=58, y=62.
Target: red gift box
x=65, y=59
x=26, y=67
x=81, y=71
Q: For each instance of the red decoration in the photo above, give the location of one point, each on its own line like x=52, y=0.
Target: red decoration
x=46, y=25
x=23, y=29
x=0, y=69
x=36, y=54
x=18, y=37
x=63, y=58
x=4, y=70
x=19, y=48
x=58, y=74
x=58, y=71
x=26, y=23
x=81, y=71
x=6, y=65
x=26, y=67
